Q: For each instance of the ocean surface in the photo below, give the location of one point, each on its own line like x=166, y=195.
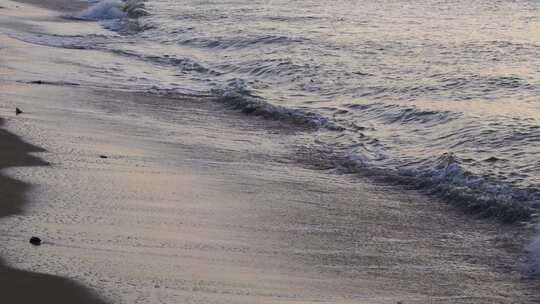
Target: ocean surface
x=442, y=96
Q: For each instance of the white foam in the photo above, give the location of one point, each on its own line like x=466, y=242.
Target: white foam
x=105, y=10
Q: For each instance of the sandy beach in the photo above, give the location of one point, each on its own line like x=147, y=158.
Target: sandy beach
x=143, y=198
x=18, y=286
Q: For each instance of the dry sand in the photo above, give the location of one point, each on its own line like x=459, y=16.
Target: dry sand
x=18, y=286
x=197, y=204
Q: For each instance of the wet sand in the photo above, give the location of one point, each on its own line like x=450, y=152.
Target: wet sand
x=198, y=204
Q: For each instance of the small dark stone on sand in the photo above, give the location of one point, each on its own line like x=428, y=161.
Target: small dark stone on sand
x=35, y=241
x=18, y=111
x=103, y=156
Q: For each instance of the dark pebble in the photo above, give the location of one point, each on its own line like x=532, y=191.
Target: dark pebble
x=103, y=156
x=35, y=241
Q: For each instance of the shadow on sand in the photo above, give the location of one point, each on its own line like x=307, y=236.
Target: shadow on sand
x=24, y=287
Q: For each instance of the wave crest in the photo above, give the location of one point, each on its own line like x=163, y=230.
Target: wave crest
x=447, y=179
x=236, y=96
x=444, y=178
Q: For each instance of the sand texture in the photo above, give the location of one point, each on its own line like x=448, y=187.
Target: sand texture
x=195, y=203
x=25, y=287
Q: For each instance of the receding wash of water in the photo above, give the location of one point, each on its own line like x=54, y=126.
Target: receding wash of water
x=442, y=97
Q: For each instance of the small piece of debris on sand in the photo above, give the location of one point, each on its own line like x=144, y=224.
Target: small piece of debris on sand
x=35, y=241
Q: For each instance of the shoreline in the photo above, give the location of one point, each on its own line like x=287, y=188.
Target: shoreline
x=194, y=203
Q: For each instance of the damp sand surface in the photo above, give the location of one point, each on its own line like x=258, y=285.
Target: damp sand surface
x=195, y=203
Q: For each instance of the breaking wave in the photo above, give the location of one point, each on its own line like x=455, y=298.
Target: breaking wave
x=121, y=16
x=105, y=10
x=249, y=104
x=443, y=178
x=447, y=179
